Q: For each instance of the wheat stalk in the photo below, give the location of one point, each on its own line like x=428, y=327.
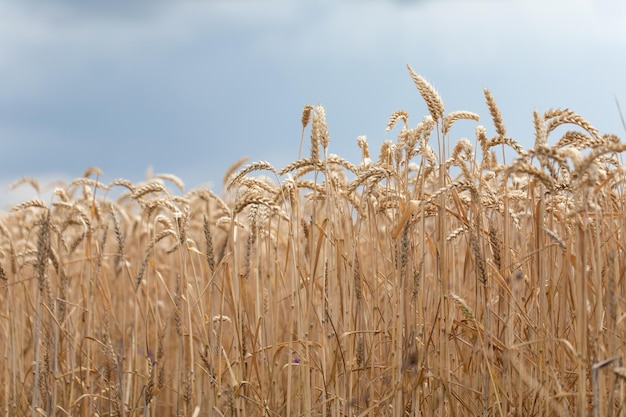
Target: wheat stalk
x=440, y=282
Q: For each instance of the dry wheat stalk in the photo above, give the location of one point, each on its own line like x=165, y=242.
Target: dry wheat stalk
x=325, y=323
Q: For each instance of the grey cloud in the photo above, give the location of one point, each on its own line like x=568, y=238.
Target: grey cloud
x=97, y=8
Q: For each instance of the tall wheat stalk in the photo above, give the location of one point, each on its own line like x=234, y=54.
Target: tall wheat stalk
x=442, y=277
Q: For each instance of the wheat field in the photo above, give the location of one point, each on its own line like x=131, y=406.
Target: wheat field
x=448, y=277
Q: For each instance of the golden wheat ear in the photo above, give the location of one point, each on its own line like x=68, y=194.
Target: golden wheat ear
x=496, y=116
x=231, y=170
x=26, y=180
x=395, y=116
x=452, y=117
x=429, y=94
x=306, y=118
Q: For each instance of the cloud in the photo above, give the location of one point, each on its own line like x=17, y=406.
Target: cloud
x=174, y=84
x=76, y=32
x=454, y=31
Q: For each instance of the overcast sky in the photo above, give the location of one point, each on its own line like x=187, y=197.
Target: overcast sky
x=189, y=87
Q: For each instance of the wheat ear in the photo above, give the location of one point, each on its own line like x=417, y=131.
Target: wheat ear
x=496, y=116
x=429, y=94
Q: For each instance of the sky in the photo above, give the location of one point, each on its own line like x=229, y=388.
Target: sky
x=189, y=87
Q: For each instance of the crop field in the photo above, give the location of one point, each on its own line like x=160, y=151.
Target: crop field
x=441, y=276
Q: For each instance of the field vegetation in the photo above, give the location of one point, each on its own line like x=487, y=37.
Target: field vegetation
x=447, y=276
